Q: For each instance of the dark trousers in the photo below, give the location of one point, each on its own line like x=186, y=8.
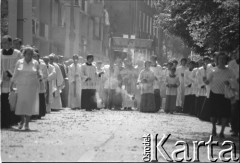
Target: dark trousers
x=8, y=117
x=42, y=104
x=158, y=100
x=88, y=99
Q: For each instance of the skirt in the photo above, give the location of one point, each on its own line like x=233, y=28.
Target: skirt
x=88, y=99
x=189, y=104
x=220, y=106
x=170, y=105
x=147, y=103
x=199, y=104
x=204, y=114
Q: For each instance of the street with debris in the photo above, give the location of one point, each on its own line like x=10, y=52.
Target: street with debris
x=102, y=135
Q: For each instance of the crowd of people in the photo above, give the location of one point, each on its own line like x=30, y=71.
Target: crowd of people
x=207, y=89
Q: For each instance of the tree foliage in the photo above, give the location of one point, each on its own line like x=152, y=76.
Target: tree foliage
x=204, y=25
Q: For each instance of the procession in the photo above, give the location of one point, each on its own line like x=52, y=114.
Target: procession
x=132, y=80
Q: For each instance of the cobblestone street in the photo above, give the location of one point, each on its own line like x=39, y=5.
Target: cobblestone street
x=101, y=135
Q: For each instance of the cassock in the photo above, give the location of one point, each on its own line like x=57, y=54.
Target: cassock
x=9, y=59
x=75, y=90
x=189, y=99
x=50, y=86
x=88, y=98
x=146, y=79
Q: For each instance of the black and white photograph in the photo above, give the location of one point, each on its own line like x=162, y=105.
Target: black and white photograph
x=119, y=81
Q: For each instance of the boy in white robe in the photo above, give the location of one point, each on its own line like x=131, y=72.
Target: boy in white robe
x=89, y=84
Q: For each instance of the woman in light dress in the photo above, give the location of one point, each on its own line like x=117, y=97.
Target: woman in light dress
x=26, y=76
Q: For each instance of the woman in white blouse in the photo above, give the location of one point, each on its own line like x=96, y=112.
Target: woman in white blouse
x=27, y=76
x=220, y=105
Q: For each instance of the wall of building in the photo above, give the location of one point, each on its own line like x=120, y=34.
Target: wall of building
x=133, y=17
x=46, y=24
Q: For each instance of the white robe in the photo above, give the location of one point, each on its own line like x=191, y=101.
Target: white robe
x=74, y=101
x=52, y=85
x=181, y=90
x=57, y=103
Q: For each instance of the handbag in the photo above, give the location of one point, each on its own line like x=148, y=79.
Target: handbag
x=12, y=98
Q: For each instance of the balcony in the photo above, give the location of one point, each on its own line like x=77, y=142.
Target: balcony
x=59, y=34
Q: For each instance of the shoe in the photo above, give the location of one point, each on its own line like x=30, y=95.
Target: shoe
x=20, y=126
x=221, y=136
